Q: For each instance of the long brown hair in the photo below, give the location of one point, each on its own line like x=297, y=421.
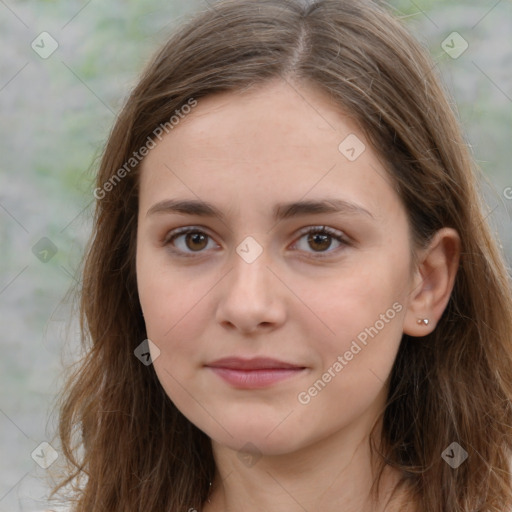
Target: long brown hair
x=128, y=447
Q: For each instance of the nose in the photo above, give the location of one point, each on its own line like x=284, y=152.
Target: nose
x=252, y=297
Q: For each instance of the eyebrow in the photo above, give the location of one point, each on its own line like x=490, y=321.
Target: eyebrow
x=281, y=211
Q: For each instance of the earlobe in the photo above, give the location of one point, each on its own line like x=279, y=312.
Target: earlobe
x=433, y=283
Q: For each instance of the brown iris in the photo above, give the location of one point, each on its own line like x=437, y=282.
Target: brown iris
x=199, y=241
x=321, y=240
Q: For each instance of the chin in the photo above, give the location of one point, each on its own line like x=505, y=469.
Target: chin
x=260, y=436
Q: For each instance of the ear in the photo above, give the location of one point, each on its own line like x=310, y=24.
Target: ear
x=433, y=282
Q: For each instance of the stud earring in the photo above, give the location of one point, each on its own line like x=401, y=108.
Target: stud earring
x=422, y=321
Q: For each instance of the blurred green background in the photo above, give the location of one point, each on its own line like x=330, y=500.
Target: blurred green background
x=56, y=114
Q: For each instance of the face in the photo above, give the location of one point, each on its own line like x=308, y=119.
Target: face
x=264, y=232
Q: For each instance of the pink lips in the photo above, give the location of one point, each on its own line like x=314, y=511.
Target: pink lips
x=253, y=373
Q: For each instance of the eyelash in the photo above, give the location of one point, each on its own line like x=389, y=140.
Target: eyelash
x=337, y=235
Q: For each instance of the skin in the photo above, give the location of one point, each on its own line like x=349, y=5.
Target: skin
x=244, y=153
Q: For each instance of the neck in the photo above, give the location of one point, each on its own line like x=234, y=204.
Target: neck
x=330, y=475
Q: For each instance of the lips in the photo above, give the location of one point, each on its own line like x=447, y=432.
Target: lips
x=254, y=373
x=257, y=363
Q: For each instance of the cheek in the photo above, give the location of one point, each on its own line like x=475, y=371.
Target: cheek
x=357, y=297
x=355, y=361
x=362, y=320
x=171, y=303
x=174, y=314
x=175, y=318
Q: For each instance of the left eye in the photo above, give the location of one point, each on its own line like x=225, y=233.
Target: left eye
x=320, y=239
x=190, y=240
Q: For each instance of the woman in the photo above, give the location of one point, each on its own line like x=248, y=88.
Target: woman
x=291, y=299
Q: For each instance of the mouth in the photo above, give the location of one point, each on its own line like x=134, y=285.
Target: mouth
x=254, y=373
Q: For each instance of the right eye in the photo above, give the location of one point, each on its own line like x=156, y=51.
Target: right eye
x=187, y=241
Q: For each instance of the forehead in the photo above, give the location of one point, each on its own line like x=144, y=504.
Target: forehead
x=279, y=141
x=247, y=122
